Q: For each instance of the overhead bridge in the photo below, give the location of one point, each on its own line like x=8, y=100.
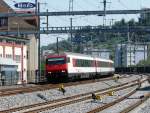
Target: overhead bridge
x=67, y=13
x=56, y=30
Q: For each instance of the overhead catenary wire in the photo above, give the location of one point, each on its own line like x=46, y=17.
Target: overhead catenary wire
x=89, y=3
x=126, y=7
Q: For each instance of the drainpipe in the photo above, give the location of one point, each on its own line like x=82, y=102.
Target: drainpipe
x=22, y=63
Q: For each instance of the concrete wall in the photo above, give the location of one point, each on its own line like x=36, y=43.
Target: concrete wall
x=32, y=58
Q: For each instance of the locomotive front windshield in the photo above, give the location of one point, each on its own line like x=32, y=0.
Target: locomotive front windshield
x=55, y=61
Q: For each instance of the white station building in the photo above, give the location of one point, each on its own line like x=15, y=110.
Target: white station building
x=18, y=53
x=13, y=57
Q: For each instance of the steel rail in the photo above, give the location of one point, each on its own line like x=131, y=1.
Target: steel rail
x=49, y=107
x=14, y=91
x=101, y=108
x=135, y=105
x=71, y=100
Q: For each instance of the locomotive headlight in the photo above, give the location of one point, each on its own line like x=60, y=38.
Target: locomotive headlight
x=62, y=71
x=49, y=72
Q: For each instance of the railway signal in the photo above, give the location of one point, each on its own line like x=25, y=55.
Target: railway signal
x=62, y=89
x=116, y=78
x=96, y=97
x=111, y=93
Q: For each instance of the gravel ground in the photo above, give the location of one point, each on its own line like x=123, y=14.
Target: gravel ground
x=131, y=100
x=32, y=98
x=29, y=85
x=88, y=105
x=15, y=86
x=144, y=108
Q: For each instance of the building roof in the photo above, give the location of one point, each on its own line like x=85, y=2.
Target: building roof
x=4, y=7
x=14, y=38
x=24, y=23
x=9, y=62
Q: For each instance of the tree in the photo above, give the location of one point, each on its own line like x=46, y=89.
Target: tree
x=144, y=62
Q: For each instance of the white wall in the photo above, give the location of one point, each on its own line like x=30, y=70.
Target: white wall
x=17, y=51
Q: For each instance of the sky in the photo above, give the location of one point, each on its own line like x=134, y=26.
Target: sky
x=83, y=5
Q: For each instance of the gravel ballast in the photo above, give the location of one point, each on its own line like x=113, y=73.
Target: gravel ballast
x=84, y=107
x=144, y=108
x=129, y=101
x=53, y=94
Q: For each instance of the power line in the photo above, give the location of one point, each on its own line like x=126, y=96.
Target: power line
x=123, y=4
x=89, y=3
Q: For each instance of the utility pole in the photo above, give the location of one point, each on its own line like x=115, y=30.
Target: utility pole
x=36, y=6
x=47, y=20
x=57, y=46
x=112, y=22
x=131, y=53
x=71, y=30
x=121, y=56
x=71, y=24
x=105, y=12
x=39, y=43
x=128, y=34
x=144, y=51
x=135, y=56
x=38, y=76
x=129, y=44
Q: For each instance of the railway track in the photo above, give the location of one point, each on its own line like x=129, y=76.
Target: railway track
x=69, y=100
x=126, y=110
x=21, y=90
x=136, y=104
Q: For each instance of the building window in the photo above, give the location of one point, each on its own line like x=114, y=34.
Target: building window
x=1, y=55
x=9, y=41
x=3, y=21
x=27, y=54
x=17, y=58
x=18, y=42
x=8, y=56
x=1, y=40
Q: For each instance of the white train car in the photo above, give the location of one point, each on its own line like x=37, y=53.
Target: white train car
x=85, y=66
x=76, y=66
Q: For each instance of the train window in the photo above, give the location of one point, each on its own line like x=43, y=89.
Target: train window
x=83, y=63
x=98, y=63
x=104, y=64
x=55, y=61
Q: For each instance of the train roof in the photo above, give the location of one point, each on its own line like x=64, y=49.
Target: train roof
x=79, y=55
x=84, y=55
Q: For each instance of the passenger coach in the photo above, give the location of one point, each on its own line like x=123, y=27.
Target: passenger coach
x=77, y=66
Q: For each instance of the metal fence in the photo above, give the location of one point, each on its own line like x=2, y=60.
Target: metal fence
x=8, y=78
x=133, y=69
